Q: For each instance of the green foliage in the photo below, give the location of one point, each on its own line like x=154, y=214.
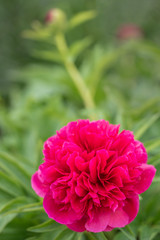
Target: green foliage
x=71, y=80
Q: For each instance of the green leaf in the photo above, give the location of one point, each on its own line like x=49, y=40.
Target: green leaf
x=151, y=103
x=120, y=236
x=14, y=204
x=32, y=207
x=4, y=220
x=155, y=160
x=148, y=233
x=139, y=133
x=103, y=63
x=66, y=234
x=127, y=234
x=96, y=236
x=79, y=46
x=81, y=18
x=156, y=179
x=4, y=198
x=152, y=144
x=47, y=55
x=10, y=185
x=47, y=226
x=14, y=169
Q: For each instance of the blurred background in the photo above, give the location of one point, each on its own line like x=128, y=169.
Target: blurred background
x=113, y=48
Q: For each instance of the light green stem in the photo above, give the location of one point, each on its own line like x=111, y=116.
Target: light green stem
x=75, y=75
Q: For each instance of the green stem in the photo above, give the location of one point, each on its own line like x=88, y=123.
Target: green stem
x=75, y=75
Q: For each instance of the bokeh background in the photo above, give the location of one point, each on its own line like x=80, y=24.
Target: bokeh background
x=117, y=53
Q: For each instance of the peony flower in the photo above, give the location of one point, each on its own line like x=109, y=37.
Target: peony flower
x=129, y=31
x=92, y=175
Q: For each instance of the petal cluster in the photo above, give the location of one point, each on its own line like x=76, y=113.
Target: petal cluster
x=92, y=175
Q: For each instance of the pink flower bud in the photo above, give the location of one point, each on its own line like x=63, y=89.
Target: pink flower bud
x=56, y=17
x=129, y=31
x=49, y=18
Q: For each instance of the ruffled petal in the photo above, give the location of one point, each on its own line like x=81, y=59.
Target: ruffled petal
x=56, y=211
x=119, y=218
x=39, y=187
x=132, y=207
x=145, y=179
x=99, y=221
x=78, y=226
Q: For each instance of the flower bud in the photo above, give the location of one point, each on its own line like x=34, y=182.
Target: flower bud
x=56, y=17
x=129, y=31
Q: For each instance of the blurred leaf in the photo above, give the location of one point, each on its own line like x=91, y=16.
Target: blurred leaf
x=66, y=234
x=14, y=204
x=156, y=179
x=96, y=236
x=47, y=226
x=152, y=144
x=12, y=166
x=120, y=236
x=145, y=127
x=155, y=160
x=10, y=185
x=4, y=220
x=150, y=104
x=148, y=233
x=78, y=47
x=81, y=18
x=32, y=207
x=47, y=55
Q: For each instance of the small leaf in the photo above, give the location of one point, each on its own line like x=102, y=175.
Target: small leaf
x=66, y=234
x=47, y=226
x=152, y=144
x=156, y=179
x=81, y=18
x=47, y=55
x=4, y=220
x=14, y=203
x=32, y=207
x=11, y=166
x=155, y=160
x=80, y=46
x=10, y=185
x=139, y=133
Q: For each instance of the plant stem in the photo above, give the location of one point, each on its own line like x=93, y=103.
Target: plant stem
x=75, y=75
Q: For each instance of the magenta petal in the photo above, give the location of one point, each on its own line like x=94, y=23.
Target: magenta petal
x=108, y=229
x=131, y=207
x=100, y=220
x=39, y=187
x=145, y=179
x=118, y=218
x=55, y=211
x=78, y=226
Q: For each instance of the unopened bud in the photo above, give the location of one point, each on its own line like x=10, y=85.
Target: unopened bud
x=129, y=31
x=56, y=17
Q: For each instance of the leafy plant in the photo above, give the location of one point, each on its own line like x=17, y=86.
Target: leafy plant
x=80, y=79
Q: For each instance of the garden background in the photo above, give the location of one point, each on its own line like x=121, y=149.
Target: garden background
x=114, y=75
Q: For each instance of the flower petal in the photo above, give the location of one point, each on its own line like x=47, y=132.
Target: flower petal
x=39, y=187
x=99, y=221
x=131, y=207
x=55, y=211
x=78, y=226
x=119, y=218
x=145, y=179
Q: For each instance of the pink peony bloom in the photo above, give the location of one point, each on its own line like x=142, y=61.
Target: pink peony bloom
x=92, y=175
